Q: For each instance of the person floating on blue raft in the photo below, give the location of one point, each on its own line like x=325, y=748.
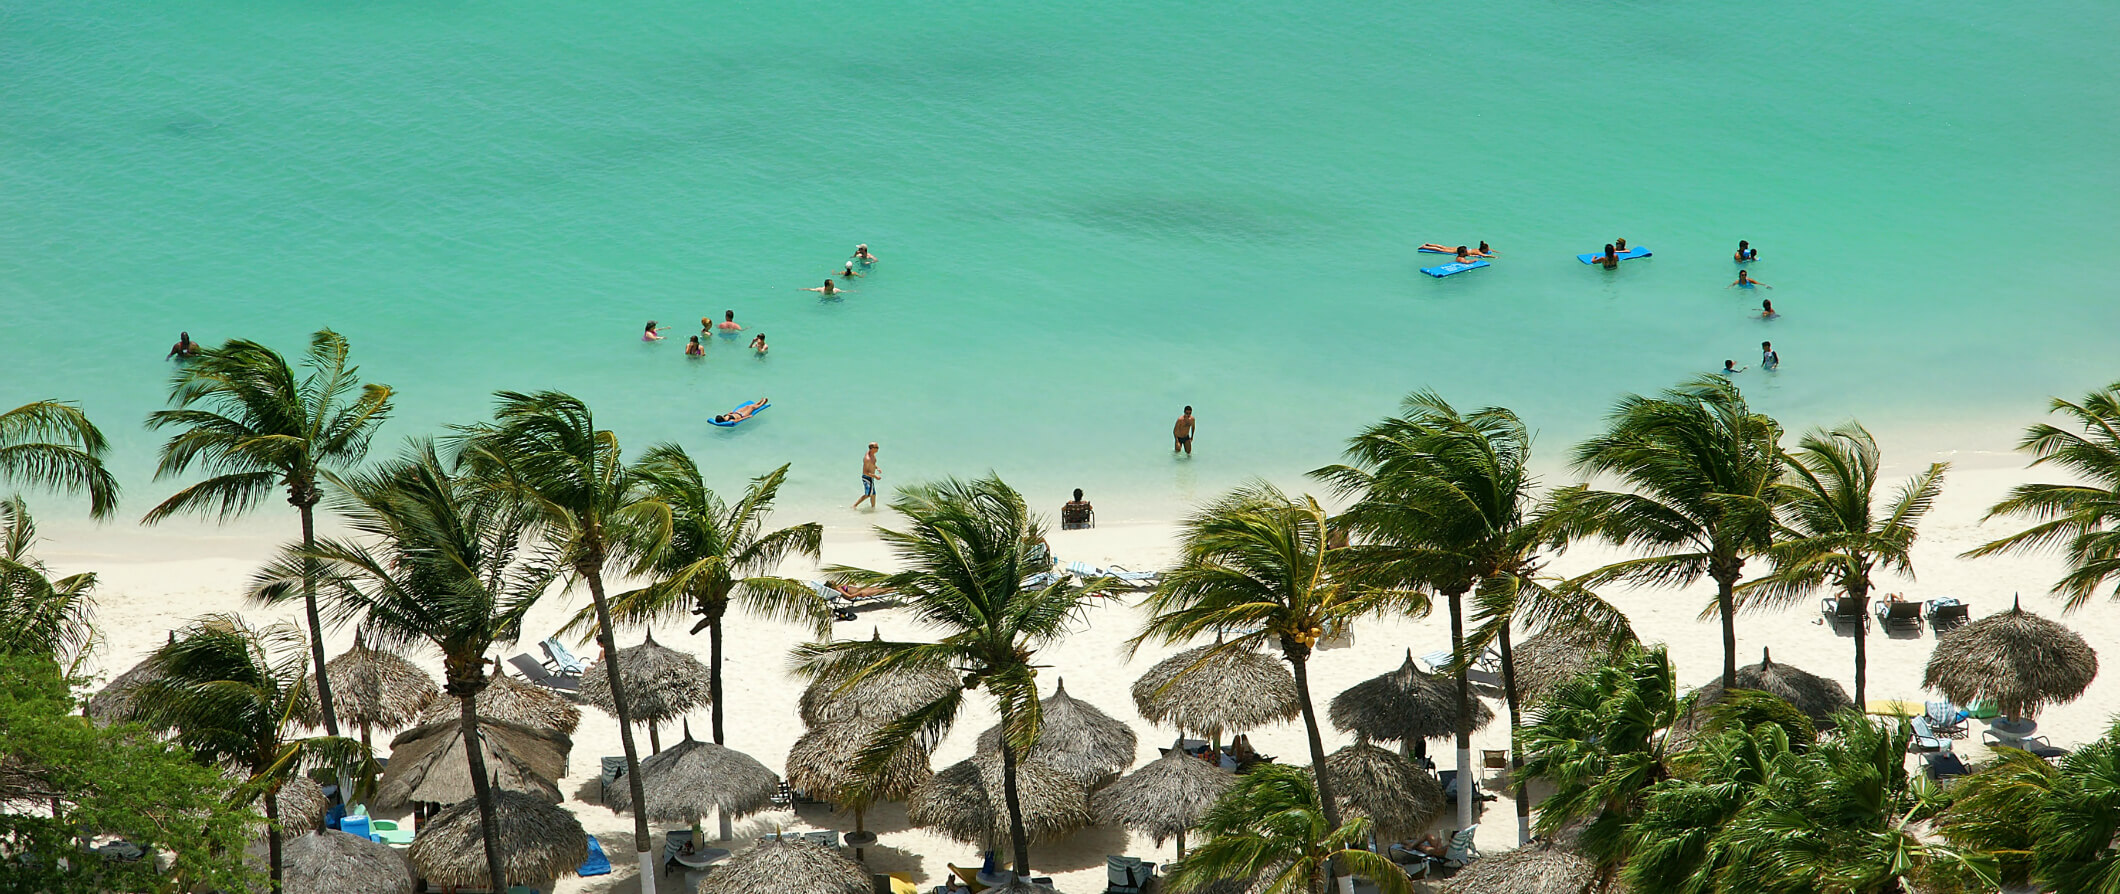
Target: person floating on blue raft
x=741, y=413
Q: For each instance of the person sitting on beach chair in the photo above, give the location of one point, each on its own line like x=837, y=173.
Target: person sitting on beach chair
x=1076, y=513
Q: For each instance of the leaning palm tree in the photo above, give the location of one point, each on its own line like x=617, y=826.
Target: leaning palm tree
x=1271, y=830
x=246, y=416
x=51, y=444
x=544, y=456
x=232, y=695
x=970, y=572
x=39, y=615
x=2083, y=519
x=703, y=555
x=1257, y=568
x=1832, y=534
x=1443, y=500
x=1701, y=468
x=430, y=565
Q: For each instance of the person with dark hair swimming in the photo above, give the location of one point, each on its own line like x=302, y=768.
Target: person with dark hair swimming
x=1730, y=367
x=184, y=349
x=1745, y=280
x=759, y=344
x=728, y=322
x=1745, y=252
x=829, y=288
x=1766, y=309
x=741, y=413
x=1610, y=259
x=848, y=273
x=654, y=332
x=692, y=348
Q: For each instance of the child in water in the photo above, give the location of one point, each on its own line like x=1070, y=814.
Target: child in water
x=692, y=348
x=1745, y=252
x=1766, y=309
x=654, y=332
x=759, y=344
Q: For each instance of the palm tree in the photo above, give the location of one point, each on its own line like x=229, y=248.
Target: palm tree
x=232, y=695
x=970, y=572
x=2050, y=824
x=543, y=456
x=1702, y=467
x=1444, y=500
x=432, y=565
x=39, y=615
x=1832, y=535
x=246, y=417
x=2082, y=519
x=704, y=554
x=1601, y=741
x=52, y=444
x=1258, y=568
x=1271, y=828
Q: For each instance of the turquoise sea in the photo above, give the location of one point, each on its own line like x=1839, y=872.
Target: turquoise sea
x=1088, y=215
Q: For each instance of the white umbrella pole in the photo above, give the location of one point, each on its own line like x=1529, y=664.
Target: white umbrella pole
x=728, y=829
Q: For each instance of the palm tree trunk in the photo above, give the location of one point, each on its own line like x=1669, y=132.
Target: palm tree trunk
x=654, y=739
x=482, y=789
x=1017, y=838
x=1861, y=595
x=1516, y=753
x=643, y=841
x=714, y=674
x=307, y=509
x=1726, y=606
x=1300, y=662
x=272, y=837
x=1464, y=708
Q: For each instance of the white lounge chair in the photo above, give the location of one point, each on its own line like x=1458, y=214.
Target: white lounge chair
x=558, y=660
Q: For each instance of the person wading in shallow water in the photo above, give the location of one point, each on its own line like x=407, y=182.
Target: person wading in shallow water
x=1183, y=432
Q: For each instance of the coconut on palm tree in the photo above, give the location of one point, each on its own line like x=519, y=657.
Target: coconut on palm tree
x=255, y=424
x=2081, y=518
x=39, y=615
x=1701, y=470
x=1443, y=500
x=1271, y=828
x=972, y=573
x=703, y=555
x=543, y=456
x=233, y=695
x=1833, y=532
x=1259, y=568
x=51, y=444
x=431, y=564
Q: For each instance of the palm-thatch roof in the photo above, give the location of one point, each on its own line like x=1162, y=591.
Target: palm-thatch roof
x=661, y=683
x=1405, y=705
x=1397, y=797
x=1075, y=738
x=333, y=862
x=877, y=699
x=301, y=805
x=113, y=703
x=1215, y=688
x=1541, y=867
x=821, y=765
x=507, y=698
x=374, y=688
x=1819, y=698
x=692, y=778
x=1164, y=798
x=537, y=842
x=2018, y=660
x=787, y=866
x=964, y=801
x=428, y=763
x=1545, y=660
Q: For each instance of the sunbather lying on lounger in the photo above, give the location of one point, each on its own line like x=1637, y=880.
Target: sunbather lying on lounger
x=851, y=591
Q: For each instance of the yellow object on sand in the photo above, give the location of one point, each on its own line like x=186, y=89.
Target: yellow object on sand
x=1893, y=707
x=902, y=883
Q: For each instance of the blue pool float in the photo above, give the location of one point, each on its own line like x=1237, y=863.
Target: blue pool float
x=754, y=413
x=1450, y=268
x=1628, y=255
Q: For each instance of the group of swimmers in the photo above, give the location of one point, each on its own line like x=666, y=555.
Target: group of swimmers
x=861, y=256
x=1745, y=254
x=707, y=326
x=1464, y=255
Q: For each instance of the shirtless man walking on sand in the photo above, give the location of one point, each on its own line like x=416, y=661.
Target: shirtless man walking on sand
x=869, y=474
x=1183, y=432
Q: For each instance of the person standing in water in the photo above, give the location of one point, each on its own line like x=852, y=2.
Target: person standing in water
x=1745, y=252
x=869, y=474
x=184, y=349
x=861, y=253
x=1183, y=432
x=1745, y=279
x=728, y=322
x=848, y=273
x=828, y=288
x=1766, y=309
x=759, y=344
x=1730, y=367
x=692, y=348
x=1621, y=244
x=1610, y=259
x=1768, y=357
x=654, y=332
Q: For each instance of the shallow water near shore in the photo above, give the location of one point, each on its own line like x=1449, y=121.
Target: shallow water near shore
x=1087, y=216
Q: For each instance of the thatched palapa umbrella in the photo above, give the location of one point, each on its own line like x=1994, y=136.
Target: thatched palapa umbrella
x=1074, y=738
x=1541, y=867
x=1398, y=797
x=693, y=778
x=507, y=698
x=821, y=765
x=1543, y=661
x=876, y=699
x=113, y=703
x=787, y=866
x=1817, y=697
x=1405, y=706
x=964, y=802
x=538, y=842
x=371, y=688
x=428, y=763
x=333, y=862
x=1164, y=798
x=2016, y=659
x=1214, y=689
x=301, y=805
x=662, y=684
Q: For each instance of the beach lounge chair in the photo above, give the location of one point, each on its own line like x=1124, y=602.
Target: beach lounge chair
x=390, y=833
x=534, y=670
x=1485, y=670
x=1841, y=611
x=1944, y=765
x=1460, y=852
x=1946, y=612
x=2037, y=745
x=1127, y=875
x=596, y=863
x=356, y=825
x=828, y=838
x=674, y=842
x=1901, y=615
x=1449, y=778
x=970, y=877
x=1138, y=580
x=1923, y=738
x=614, y=768
x=1076, y=516
x=1946, y=720
x=558, y=660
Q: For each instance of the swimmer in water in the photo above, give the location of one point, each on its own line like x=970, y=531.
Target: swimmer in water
x=654, y=332
x=1745, y=252
x=692, y=348
x=1610, y=259
x=849, y=272
x=1485, y=252
x=1464, y=255
x=1621, y=244
x=1730, y=367
x=1768, y=357
x=1745, y=279
x=1766, y=309
x=184, y=349
x=828, y=288
x=861, y=253
x=728, y=322
x=759, y=344
x=742, y=413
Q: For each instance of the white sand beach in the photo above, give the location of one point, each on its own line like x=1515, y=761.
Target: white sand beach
x=143, y=596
